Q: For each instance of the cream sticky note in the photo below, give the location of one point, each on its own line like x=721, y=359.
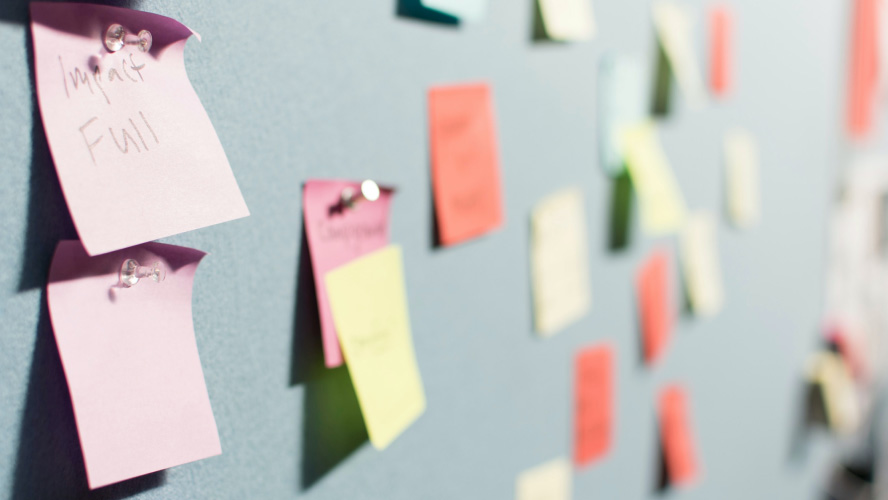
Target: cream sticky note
x=369, y=304
x=559, y=254
x=567, y=20
x=662, y=205
x=700, y=262
x=674, y=28
x=622, y=103
x=136, y=154
x=337, y=234
x=742, y=176
x=548, y=481
x=466, y=10
x=829, y=372
x=131, y=360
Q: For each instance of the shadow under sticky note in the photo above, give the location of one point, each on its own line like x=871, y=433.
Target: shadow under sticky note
x=131, y=361
x=416, y=10
x=620, y=216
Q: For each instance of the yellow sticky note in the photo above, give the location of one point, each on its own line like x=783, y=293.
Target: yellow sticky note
x=548, y=481
x=369, y=305
x=662, y=205
x=742, y=175
x=702, y=271
x=559, y=254
x=675, y=31
x=567, y=20
x=829, y=371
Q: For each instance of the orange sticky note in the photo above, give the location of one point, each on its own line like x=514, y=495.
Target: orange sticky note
x=679, y=450
x=465, y=169
x=720, y=50
x=655, y=304
x=594, y=393
x=863, y=79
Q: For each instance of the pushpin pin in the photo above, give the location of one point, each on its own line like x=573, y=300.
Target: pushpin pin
x=116, y=38
x=369, y=191
x=131, y=272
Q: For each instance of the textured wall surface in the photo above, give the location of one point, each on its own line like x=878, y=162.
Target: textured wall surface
x=336, y=88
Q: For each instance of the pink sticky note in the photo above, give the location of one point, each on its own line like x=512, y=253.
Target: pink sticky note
x=336, y=235
x=136, y=154
x=131, y=361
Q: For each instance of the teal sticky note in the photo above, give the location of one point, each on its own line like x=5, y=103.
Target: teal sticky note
x=622, y=103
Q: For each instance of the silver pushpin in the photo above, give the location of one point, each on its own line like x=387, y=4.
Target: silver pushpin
x=116, y=38
x=131, y=272
x=369, y=192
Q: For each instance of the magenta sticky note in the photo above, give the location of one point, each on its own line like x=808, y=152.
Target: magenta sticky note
x=131, y=361
x=336, y=235
x=136, y=154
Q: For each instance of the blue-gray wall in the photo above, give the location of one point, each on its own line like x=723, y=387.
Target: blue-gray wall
x=336, y=88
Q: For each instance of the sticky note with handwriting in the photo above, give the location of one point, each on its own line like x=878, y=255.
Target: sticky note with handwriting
x=678, y=444
x=662, y=205
x=369, y=304
x=700, y=262
x=136, y=154
x=467, y=10
x=675, y=27
x=720, y=56
x=131, y=360
x=548, y=481
x=655, y=303
x=621, y=90
x=465, y=168
x=567, y=20
x=337, y=234
x=559, y=254
x=594, y=403
x=742, y=175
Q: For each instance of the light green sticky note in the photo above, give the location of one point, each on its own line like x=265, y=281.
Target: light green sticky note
x=369, y=304
x=467, y=10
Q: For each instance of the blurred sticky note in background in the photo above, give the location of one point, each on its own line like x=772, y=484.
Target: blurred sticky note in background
x=677, y=438
x=465, y=168
x=621, y=93
x=594, y=403
x=567, y=20
x=662, y=205
x=742, y=175
x=863, y=81
x=136, y=154
x=559, y=253
x=675, y=34
x=369, y=303
x=548, y=481
x=131, y=361
x=830, y=374
x=655, y=303
x=720, y=49
x=336, y=235
x=700, y=262
x=466, y=10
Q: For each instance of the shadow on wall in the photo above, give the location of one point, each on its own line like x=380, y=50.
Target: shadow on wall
x=332, y=424
x=416, y=10
x=49, y=463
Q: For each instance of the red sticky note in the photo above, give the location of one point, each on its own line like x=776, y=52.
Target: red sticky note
x=338, y=234
x=655, y=304
x=720, y=50
x=864, y=71
x=465, y=169
x=675, y=431
x=594, y=393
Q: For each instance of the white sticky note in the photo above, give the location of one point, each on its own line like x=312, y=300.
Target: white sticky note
x=742, y=175
x=559, y=261
x=831, y=374
x=567, y=20
x=466, y=10
x=622, y=102
x=675, y=31
x=548, y=481
x=702, y=271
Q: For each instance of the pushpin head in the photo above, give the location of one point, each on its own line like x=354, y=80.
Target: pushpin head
x=145, y=40
x=131, y=272
x=370, y=190
x=114, y=37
